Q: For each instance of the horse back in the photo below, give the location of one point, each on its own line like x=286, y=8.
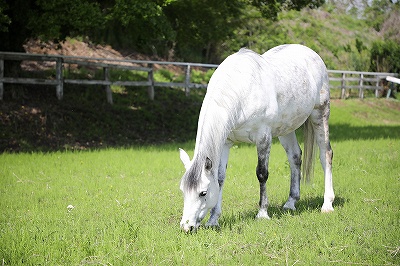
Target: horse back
x=298, y=70
x=277, y=90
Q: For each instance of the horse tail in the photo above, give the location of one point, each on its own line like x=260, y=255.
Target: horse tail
x=309, y=151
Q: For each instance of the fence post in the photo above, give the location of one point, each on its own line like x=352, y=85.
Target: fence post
x=361, y=92
x=106, y=71
x=1, y=77
x=391, y=87
x=59, y=78
x=150, y=79
x=187, y=80
x=343, y=95
x=377, y=86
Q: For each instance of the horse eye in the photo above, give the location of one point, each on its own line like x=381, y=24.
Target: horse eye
x=203, y=194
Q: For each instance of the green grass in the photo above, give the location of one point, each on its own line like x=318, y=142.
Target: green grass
x=127, y=204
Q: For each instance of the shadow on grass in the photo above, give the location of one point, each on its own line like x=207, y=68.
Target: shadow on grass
x=341, y=132
x=83, y=120
x=314, y=204
x=345, y=132
x=36, y=121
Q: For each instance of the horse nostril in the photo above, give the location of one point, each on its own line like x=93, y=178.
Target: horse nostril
x=188, y=229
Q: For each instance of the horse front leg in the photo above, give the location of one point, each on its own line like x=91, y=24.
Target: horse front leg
x=263, y=151
x=217, y=210
x=293, y=152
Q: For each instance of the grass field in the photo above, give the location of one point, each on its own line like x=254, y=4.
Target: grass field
x=125, y=205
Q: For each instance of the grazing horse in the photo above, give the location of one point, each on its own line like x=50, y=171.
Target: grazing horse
x=253, y=98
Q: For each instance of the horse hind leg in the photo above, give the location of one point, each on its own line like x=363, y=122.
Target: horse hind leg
x=293, y=151
x=319, y=118
x=263, y=151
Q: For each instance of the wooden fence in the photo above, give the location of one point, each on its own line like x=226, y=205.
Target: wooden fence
x=344, y=80
x=347, y=80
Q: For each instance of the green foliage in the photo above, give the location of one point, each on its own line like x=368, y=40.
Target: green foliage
x=4, y=18
x=190, y=29
x=200, y=76
x=206, y=30
x=376, y=12
x=317, y=29
x=270, y=9
x=140, y=25
x=385, y=56
x=66, y=18
x=164, y=75
x=201, y=26
x=15, y=15
x=130, y=75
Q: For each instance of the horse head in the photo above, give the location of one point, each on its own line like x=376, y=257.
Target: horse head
x=200, y=190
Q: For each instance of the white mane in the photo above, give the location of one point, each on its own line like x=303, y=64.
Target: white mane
x=221, y=106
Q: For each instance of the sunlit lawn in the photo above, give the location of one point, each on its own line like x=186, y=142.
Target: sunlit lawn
x=125, y=205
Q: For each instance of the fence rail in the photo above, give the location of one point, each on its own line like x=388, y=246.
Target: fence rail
x=347, y=80
x=344, y=80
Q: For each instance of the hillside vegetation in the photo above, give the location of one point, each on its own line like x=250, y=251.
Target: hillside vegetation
x=343, y=40
x=340, y=39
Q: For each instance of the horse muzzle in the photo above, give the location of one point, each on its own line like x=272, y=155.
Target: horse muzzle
x=188, y=227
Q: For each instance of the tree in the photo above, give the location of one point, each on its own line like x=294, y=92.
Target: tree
x=137, y=24
x=201, y=25
x=204, y=26
x=192, y=29
x=270, y=9
x=385, y=56
x=13, y=30
x=47, y=19
x=390, y=28
x=376, y=12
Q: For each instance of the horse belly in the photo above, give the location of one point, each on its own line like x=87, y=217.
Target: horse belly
x=291, y=118
x=246, y=132
x=282, y=128
x=280, y=124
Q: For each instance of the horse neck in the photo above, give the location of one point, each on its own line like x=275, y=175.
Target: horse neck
x=212, y=132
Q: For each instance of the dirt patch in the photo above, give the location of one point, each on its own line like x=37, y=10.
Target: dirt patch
x=338, y=102
x=389, y=103
x=73, y=47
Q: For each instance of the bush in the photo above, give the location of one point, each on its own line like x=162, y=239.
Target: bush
x=385, y=56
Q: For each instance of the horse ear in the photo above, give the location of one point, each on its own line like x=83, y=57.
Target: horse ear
x=184, y=158
x=208, y=164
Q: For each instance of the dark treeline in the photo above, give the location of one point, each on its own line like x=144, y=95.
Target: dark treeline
x=189, y=29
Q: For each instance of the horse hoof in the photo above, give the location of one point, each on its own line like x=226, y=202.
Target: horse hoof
x=289, y=206
x=262, y=214
x=212, y=224
x=326, y=209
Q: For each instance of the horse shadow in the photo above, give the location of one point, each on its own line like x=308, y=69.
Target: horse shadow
x=227, y=221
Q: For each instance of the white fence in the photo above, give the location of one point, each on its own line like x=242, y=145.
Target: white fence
x=344, y=80
x=392, y=81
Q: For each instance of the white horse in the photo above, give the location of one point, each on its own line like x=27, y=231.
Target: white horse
x=253, y=98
